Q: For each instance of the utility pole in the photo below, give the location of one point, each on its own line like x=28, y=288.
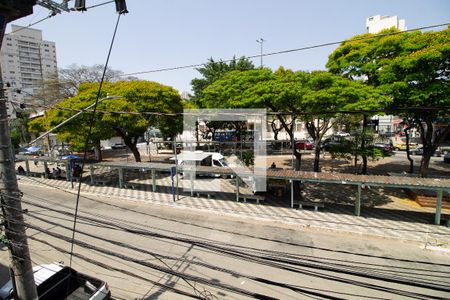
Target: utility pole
x=13, y=221
x=261, y=42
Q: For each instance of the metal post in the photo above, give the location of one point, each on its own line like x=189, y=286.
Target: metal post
x=292, y=193
x=358, y=202
x=91, y=172
x=45, y=169
x=153, y=180
x=11, y=205
x=437, y=216
x=68, y=172
x=120, y=178
x=27, y=167
x=237, y=188
x=261, y=41
x=176, y=169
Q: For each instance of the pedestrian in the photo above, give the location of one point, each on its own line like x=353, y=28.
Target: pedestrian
x=55, y=173
x=20, y=170
x=273, y=165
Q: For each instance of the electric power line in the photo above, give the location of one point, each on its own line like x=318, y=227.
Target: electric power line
x=289, y=50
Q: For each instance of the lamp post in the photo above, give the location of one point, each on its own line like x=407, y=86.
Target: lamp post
x=261, y=42
x=72, y=117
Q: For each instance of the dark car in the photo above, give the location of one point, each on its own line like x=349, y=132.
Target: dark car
x=447, y=157
x=304, y=145
x=329, y=144
x=57, y=282
x=118, y=146
x=386, y=148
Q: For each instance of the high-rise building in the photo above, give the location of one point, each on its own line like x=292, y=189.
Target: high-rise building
x=377, y=23
x=26, y=61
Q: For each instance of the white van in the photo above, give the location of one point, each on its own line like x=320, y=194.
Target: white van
x=208, y=159
x=200, y=158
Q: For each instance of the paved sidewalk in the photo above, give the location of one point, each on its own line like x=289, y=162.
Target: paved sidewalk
x=400, y=223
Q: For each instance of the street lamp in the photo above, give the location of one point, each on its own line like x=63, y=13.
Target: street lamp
x=261, y=42
x=72, y=117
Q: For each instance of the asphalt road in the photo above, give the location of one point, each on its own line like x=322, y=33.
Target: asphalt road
x=147, y=251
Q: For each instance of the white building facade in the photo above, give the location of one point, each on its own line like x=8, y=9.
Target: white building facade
x=377, y=23
x=26, y=61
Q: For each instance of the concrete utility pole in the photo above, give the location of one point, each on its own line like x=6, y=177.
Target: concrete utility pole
x=10, y=195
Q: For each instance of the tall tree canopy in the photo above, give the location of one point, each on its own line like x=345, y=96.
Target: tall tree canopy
x=118, y=117
x=414, y=68
x=71, y=77
x=310, y=96
x=214, y=70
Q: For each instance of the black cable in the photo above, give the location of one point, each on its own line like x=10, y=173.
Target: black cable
x=110, y=267
x=290, y=50
x=87, y=139
x=244, y=254
x=206, y=265
x=324, y=112
x=261, y=238
x=32, y=24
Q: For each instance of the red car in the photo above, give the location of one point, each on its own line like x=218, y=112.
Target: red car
x=304, y=145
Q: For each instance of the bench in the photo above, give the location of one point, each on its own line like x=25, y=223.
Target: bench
x=316, y=205
x=258, y=198
x=129, y=186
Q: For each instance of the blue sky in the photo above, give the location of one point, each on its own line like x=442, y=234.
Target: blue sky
x=168, y=33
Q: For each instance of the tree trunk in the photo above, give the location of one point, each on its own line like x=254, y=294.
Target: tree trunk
x=425, y=162
x=317, y=157
x=98, y=153
x=135, y=151
x=197, y=134
x=411, y=161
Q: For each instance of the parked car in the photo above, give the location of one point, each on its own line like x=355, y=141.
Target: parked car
x=402, y=146
x=304, y=145
x=386, y=148
x=57, y=282
x=118, y=146
x=447, y=157
x=334, y=142
x=419, y=151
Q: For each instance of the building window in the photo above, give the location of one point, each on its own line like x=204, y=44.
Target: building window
x=9, y=44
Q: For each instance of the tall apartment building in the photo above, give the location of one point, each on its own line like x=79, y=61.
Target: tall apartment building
x=377, y=23
x=26, y=61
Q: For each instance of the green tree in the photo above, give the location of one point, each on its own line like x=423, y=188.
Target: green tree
x=413, y=67
x=142, y=104
x=19, y=129
x=309, y=96
x=214, y=70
